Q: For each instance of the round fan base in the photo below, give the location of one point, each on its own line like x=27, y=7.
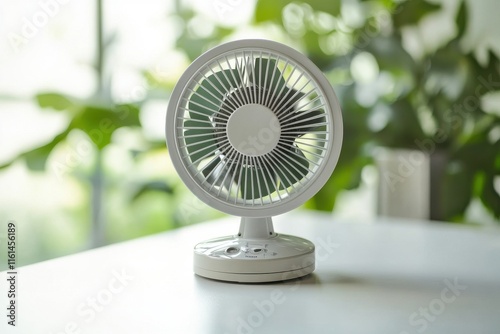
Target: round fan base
x=233, y=258
x=254, y=278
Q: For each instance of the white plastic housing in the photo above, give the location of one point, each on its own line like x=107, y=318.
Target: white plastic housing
x=256, y=254
x=292, y=199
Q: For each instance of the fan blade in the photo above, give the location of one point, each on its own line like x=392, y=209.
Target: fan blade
x=258, y=178
x=207, y=98
x=200, y=141
x=209, y=169
x=287, y=101
x=273, y=81
x=305, y=122
x=214, y=171
x=286, y=171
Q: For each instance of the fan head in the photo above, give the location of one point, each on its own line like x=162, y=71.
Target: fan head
x=254, y=129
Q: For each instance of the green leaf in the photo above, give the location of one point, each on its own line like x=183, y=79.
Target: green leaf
x=272, y=11
x=461, y=19
x=489, y=196
x=346, y=176
x=7, y=164
x=449, y=128
x=477, y=152
x=266, y=10
x=403, y=127
x=391, y=56
x=292, y=168
x=256, y=177
x=412, y=11
x=36, y=159
x=191, y=44
x=200, y=142
x=208, y=96
x=314, y=50
x=484, y=79
x=153, y=186
x=449, y=72
x=331, y=7
x=273, y=81
x=472, y=171
x=99, y=123
x=54, y=100
x=457, y=191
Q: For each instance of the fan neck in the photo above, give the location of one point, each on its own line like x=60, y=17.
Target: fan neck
x=256, y=228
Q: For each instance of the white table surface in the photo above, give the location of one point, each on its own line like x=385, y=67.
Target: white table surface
x=383, y=277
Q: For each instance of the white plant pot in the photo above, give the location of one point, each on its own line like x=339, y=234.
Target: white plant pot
x=403, y=183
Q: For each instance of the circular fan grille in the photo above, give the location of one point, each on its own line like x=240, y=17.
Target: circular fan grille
x=253, y=127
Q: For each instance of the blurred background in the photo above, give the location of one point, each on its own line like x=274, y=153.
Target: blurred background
x=84, y=88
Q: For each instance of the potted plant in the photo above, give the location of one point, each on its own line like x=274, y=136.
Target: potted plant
x=459, y=135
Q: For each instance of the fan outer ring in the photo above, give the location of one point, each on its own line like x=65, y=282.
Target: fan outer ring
x=308, y=190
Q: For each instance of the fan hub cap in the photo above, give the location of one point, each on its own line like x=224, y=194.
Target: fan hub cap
x=253, y=130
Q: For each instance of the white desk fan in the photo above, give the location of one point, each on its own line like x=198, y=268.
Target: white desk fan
x=254, y=129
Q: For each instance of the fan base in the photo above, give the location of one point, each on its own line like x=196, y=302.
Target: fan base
x=254, y=278
x=254, y=260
